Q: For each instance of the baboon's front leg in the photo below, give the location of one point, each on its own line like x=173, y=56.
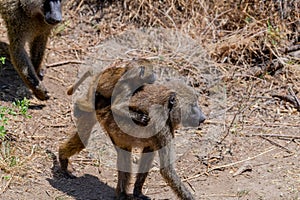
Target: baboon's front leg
x=166, y=155
x=24, y=66
x=37, y=50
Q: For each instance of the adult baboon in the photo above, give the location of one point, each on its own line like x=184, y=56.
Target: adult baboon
x=129, y=76
x=161, y=110
x=30, y=21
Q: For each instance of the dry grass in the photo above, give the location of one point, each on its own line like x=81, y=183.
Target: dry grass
x=245, y=33
x=248, y=38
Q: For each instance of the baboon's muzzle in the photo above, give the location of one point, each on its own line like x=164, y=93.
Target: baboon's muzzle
x=53, y=13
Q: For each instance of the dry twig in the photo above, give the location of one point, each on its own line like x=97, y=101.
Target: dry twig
x=276, y=144
x=242, y=107
x=292, y=137
x=241, y=161
x=6, y=185
x=58, y=64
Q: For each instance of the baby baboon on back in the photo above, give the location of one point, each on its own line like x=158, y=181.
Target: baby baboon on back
x=164, y=110
x=30, y=21
x=133, y=75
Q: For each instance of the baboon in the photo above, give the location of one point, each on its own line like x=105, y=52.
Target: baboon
x=129, y=76
x=30, y=21
x=164, y=110
x=121, y=77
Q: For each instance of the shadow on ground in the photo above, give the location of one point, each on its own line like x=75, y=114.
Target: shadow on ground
x=84, y=187
x=80, y=188
x=11, y=85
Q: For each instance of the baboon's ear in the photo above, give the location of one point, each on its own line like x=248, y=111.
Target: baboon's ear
x=172, y=100
x=142, y=71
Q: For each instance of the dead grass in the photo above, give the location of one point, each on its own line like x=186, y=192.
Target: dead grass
x=245, y=33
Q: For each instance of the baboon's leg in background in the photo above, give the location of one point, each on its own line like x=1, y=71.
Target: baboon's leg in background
x=21, y=61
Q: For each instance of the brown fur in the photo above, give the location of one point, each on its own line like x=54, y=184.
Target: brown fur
x=135, y=73
x=25, y=22
x=164, y=109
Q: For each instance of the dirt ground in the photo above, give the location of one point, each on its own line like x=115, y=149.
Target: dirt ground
x=249, y=147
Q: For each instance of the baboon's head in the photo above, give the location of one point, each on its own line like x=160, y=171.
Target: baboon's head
x=146, y=74
x=49, y=9
x=183, y=105
x=139, y=72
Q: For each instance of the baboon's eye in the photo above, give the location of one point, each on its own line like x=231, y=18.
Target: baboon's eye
x=142, y=72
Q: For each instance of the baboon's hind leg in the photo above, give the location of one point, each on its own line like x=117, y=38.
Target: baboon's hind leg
x=124, y=172
x=72, y=146
x=85, y=124
x=145, y=165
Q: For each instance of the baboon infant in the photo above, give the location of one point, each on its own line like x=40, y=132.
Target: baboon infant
x=161, y=111
x=123, y=77
x=30, y=21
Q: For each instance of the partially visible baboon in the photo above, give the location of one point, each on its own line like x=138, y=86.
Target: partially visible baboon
x=161, y=111
x=30, y=21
